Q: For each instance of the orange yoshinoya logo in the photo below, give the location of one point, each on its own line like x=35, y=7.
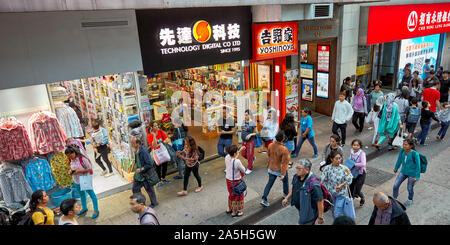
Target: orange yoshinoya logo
x=202, y=31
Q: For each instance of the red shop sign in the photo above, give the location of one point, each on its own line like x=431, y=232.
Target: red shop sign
x=273, y=40
x=397, y=22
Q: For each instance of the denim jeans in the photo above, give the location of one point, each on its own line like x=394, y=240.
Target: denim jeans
x=424, y=133
x=83, y=197
x=338, y=209
x=300, y=143
x=222, y=146
x=269, y=185
x=443, y=130
x=290, y=145
x=398, y=181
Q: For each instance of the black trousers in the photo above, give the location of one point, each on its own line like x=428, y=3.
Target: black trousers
x=343, y=128
x=187, y=173
x=357, y=185
x=137, y=186
x=103, y=151
x=161, y=170
x=358, y=116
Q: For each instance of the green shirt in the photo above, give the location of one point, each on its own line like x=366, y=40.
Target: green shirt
x=138, y=176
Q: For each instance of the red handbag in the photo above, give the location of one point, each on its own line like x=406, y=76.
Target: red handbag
x=166, y=118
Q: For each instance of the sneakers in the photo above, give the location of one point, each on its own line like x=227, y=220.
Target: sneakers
x=225, y=171
x=370, y=128
x=264, y=203
x=315, y=156
x=109, y=174
x=294, y=155
x=408, y=203
x=167, y=181
x=248, y=171
x=104, y=172
x=178, y=177
x=160, y=185
x=342, y=145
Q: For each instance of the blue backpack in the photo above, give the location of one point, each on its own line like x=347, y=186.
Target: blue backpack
x=414, y=114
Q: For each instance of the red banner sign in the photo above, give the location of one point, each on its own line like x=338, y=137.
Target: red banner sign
x=273, y=40
x=397, y=22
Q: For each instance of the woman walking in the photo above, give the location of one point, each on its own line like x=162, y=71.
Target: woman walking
x=80, y=165
x=359, y=156
x=41, y=214
x=390, y=122
x=190, y=155
x=177, y=135
x=409, y=159
x=307, y=132
x=336, y=178
x=289, y=126
x=234, y=174
x=270, y=129
x=334, y=145
x=100, y=142
x=248, y=140
x=156, y=137
x=360, y=109
x=415, y=89
x=402, y=101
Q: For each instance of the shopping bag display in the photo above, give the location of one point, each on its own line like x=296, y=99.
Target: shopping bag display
x=161, y=155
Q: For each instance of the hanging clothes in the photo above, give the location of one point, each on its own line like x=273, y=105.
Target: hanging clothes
x=14, y=141
x=46, y=133
x=69, y=121
x=13, y=184
x=60, y=169
x=39, y=175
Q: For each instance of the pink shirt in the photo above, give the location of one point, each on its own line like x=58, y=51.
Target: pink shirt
x=238, y=168
x=76, y=165
x=361, y=163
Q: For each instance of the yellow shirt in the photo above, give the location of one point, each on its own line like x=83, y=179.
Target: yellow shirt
x=38, y=217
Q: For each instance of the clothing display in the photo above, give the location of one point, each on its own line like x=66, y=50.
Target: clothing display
x=39, y=175
x=60, y=169
x=46, y=135
x=69, y=121
x=14, y=141
x=13, y=184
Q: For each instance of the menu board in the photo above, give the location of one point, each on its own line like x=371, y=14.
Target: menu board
x=322, y=84
x=307, y=89
x=323, y=58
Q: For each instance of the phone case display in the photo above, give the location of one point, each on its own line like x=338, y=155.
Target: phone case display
x=14, y=141
x=46, y=133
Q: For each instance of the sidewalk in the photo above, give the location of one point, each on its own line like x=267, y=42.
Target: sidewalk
x=208, y=206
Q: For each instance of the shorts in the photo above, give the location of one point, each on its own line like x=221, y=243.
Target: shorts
x=411, y=127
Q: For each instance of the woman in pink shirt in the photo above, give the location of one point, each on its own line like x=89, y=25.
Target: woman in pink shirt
x=235, y=203
x=360, y=156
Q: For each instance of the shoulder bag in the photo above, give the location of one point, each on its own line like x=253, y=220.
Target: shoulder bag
x=349, y=208
x=350, y=164
x=178, y=143
x=239, y=188
x=85, y=180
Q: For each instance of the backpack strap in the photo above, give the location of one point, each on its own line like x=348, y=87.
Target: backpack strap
x=43, y=212
x=310, y=183
x=157, y=221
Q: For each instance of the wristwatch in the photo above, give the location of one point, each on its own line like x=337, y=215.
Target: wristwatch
x=321, y=218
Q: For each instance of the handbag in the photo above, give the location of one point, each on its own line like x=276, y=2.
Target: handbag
x=398, y=140
x=350, y=164
x=349, y=208
x=239, y=188
x=178, y=143
x=85, y=180
x=151, y=176
x=161, y=155
x=258, y=141
x=172, y=153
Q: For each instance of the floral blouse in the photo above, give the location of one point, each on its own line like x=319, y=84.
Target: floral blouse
x=194, y=155
x=333, y=176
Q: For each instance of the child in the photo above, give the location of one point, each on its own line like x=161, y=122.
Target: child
x=444, y=116
x=307, y=132
x=373, y=118
x=412, y=117
x=425, y=121
x=70, y=209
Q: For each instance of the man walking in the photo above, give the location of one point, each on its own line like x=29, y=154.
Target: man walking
x=445, y=87
x=147, y=216
x=307, y=195
x=388, y=211
x=143, y=163
x=279, y=158
x=342, y=113
x=432, y=95
x=226, y=131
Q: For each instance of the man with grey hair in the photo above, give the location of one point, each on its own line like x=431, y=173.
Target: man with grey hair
x=147, y=216
x=307, y=195
x=388, y=211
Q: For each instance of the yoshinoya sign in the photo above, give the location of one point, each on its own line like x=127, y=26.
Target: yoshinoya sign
x=397, y=22
x=273, y=40
x=174, y=39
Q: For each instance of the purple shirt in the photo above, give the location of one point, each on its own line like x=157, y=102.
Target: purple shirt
x=361, y=163
x=384, y=216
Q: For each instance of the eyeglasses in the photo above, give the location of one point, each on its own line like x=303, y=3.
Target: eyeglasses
x=298, y=168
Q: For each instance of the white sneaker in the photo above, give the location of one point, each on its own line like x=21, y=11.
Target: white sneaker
x=104, y=173
x=370, y=128
x=109, y=174
x=225, y=171
x=248, y=171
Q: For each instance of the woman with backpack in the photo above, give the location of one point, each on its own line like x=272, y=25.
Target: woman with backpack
x=80, y=165
x=334, y=145
x=337, y=178
x=235, y=171
x=409, y=159
x=156, y=137
x=190, y=155
x=40, y=213
x=177, y=135
x=359, y=156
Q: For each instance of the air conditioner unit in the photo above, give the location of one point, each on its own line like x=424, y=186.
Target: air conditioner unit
x=319, y=11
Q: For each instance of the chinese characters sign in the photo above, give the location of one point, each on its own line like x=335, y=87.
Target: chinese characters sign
x=174, y=39
x=274, y=40
x=323, y=58
x=407, y=21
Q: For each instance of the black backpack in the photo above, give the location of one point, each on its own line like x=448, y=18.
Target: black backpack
x=27, y=220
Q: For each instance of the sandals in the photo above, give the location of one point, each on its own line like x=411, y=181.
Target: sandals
x=239, y=214
x=182, y=193
x=198, y=189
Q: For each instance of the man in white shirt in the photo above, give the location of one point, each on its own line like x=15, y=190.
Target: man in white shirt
x=342, y=113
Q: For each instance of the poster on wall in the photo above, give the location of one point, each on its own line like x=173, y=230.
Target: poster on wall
x=304, y=53
x=322, y=84
x=307, y=89
x=292, y=93
x=323, y=58
x=306, y=71
x=264, y=76
x=416, y=51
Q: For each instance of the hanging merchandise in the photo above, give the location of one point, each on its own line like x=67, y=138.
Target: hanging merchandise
x=46, y=134
x=13, y=184
x=69, y=121
x=39, y=174
x=60, y=169
x=14, y=141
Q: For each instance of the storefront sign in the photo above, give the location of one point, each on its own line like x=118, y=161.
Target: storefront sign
x=322, y=84
x=306, y=71
x=396, y=22
x=274, y=40
x=174, y=39
x=311, y=30
x=323, y=58
x=307, y=89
